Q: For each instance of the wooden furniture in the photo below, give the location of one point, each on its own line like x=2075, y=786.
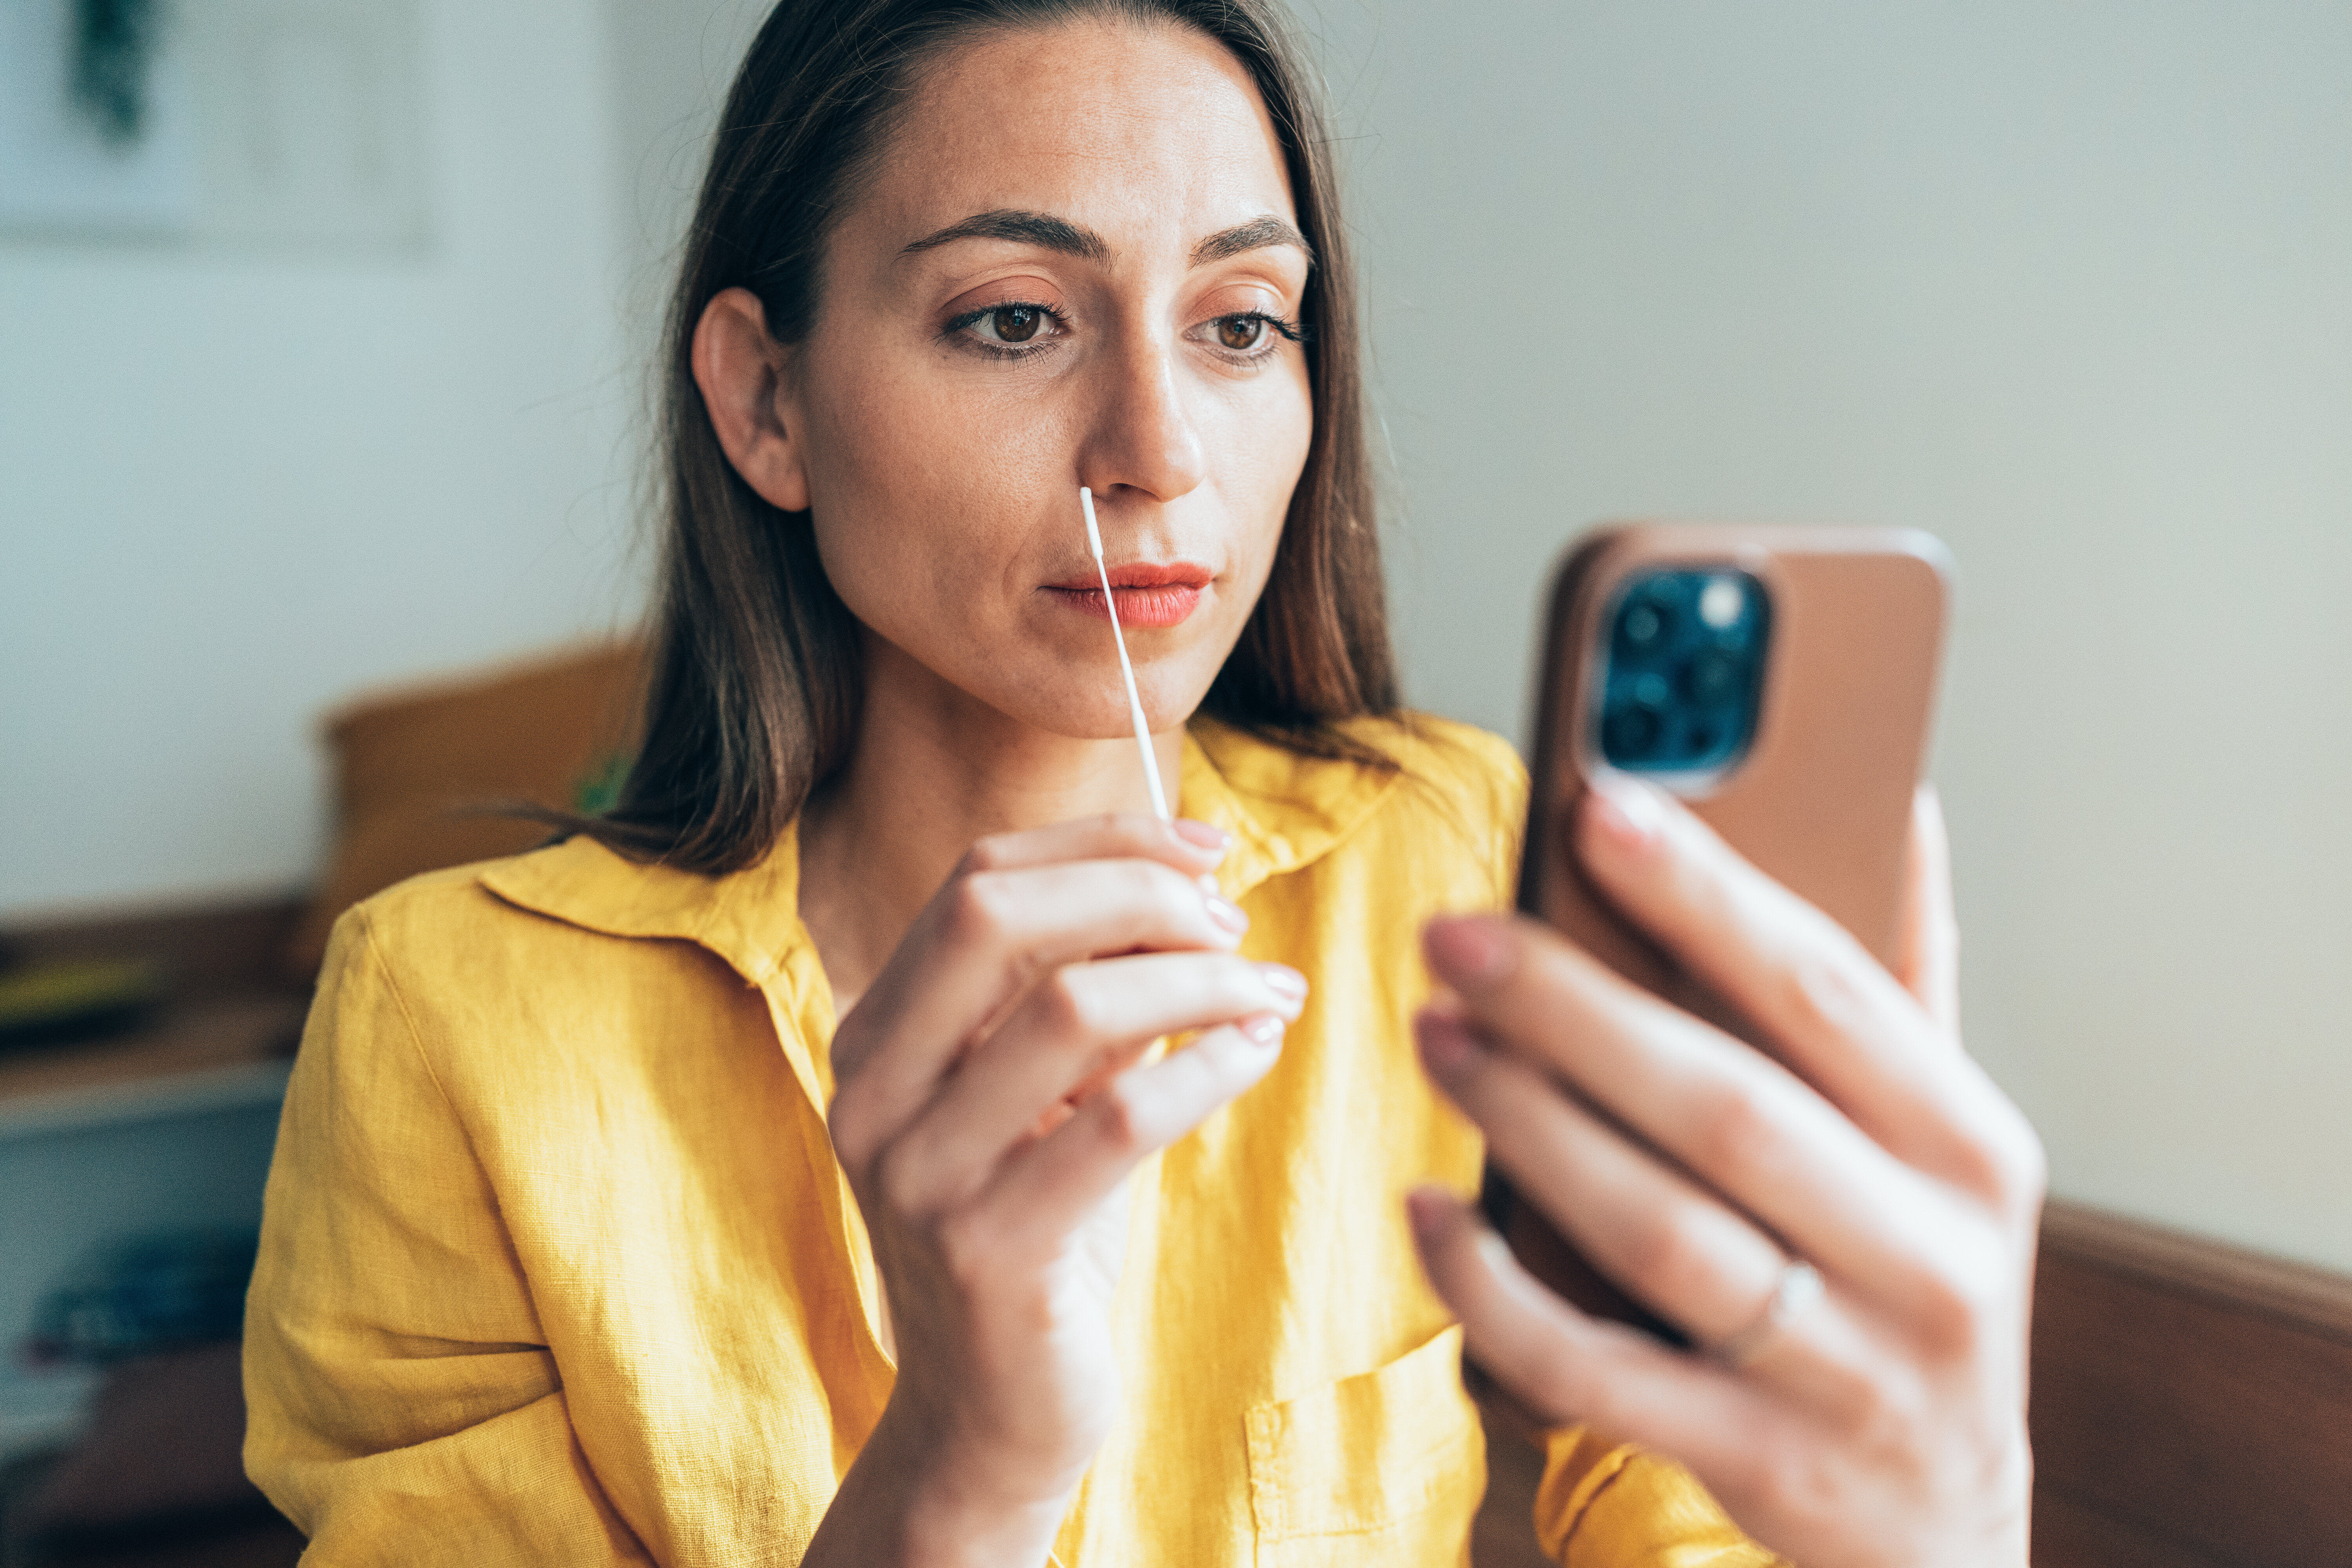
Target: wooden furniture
x=2192, y=1402
x=225, y=1034
x=97, y=1135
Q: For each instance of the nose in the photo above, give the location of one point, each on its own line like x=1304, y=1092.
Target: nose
x=1143, y=440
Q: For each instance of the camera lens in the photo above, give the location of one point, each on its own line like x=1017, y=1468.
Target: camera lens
x=1712, y=678
x=1645, y=627
x=1630, y=734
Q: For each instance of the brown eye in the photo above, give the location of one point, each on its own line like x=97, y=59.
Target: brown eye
x=1240, y=333
x=1016, y=324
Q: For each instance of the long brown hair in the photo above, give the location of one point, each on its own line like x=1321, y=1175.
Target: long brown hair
x=753, y=691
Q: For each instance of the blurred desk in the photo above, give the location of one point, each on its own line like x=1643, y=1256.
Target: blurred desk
x=200, y=1057
x=165, y=1125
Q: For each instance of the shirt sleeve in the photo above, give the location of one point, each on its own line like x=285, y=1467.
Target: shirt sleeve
x=402, y=1406
x=1605, y=1504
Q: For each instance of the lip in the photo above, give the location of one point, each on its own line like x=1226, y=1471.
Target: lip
x=1150, y=592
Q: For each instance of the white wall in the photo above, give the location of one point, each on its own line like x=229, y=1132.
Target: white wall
x=2070, y=286
x=671, y=63
x=236, y=484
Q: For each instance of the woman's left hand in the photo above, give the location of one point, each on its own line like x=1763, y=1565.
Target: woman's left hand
x=1880, y=1422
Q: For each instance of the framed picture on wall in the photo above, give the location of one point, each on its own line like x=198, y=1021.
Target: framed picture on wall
x=97, y=132
x=239, y=124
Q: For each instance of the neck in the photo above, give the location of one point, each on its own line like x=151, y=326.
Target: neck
x=932, y=769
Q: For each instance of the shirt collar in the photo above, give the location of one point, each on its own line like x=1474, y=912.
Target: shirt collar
x=1284, y=811
x=750, y=918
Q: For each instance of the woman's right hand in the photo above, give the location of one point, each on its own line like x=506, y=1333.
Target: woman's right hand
x=991, y=1099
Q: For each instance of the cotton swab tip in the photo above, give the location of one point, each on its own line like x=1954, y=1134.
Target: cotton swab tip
x=1094, y=534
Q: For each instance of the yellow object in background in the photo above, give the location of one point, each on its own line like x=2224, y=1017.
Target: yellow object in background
x=74, y=998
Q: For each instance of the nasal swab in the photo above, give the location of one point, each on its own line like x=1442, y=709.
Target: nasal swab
x=1118, y=638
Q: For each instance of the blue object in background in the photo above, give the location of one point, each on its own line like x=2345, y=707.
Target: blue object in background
x=75, y=1178
x=148, y=1293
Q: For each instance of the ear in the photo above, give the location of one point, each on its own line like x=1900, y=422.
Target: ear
x=742, y=373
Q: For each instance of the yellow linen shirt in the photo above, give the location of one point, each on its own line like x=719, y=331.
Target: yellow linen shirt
x=558, y=1265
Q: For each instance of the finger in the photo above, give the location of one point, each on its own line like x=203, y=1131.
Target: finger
x=982, y=940
x=1562, y=1365
x=1760, y=1456
x=1046, y=910
x=1651, y=1229
x=1082, y=1020
x=1733, y=1116
x=1927, y=959
x=1190, y=848
x=1646, y=1226
x=1819, y=1000
x=1045, y=1189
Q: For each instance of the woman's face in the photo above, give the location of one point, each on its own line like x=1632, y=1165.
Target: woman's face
x=1077, y=265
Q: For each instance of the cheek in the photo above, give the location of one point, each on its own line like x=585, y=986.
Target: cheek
x=917, y=490
x=1265, y=452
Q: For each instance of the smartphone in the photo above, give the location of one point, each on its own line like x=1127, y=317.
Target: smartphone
x=1778, y=680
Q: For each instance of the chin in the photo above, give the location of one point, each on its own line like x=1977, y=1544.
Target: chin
x=1102, y=714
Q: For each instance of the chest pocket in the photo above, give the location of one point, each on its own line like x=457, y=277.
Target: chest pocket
x=1386, y=1466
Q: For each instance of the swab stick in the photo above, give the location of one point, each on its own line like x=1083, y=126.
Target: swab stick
x=1118, y=639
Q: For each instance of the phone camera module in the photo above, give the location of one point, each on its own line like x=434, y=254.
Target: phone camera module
x=1685, y=671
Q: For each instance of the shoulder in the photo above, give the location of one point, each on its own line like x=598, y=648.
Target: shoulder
x=1369, y=752
x=563, y=893
x=1385, y=790
x=1451, y=757
x=428, y=922
x=514, y=937
x=407, y=970
x=1469, y=778
x=1456, y=784
x=534, y=989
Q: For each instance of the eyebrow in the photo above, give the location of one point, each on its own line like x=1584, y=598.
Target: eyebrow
x=1254, y=235
x=1042, y=229
x=1051, y=233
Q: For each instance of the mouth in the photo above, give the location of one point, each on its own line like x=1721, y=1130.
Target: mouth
x=1149, y=594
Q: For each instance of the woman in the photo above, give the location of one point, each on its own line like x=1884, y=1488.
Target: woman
x=592, y=1239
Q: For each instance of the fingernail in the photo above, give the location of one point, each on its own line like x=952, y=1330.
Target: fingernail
x=1226, y=914
x=1626, y=809
x=1265, y=1030
x=1446, y=1045
x=1284, y=981
x=1201, y=835
x=1468, y=950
